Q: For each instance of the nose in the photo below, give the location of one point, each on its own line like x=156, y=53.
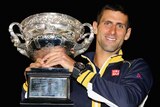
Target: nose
x=112, y=29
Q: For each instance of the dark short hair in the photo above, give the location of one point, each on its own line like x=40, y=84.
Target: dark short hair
x=115, y=6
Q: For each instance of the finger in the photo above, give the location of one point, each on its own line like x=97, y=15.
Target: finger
x=35, y=65
x=39, y=60
x=28, y=69
x=54, y=51
x=52, y=63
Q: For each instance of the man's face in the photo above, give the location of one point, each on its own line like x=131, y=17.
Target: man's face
x=111, y=30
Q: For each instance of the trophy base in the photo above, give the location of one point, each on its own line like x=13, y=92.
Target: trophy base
x=48, y=88
x=28, y=103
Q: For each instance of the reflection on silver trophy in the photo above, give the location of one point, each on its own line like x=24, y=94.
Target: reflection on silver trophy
x=51, y=29
x=45, y=30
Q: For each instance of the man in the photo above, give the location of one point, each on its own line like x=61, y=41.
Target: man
x=107, y=79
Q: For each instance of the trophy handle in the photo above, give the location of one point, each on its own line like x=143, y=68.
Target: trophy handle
x=87, y=40
x=15, y=38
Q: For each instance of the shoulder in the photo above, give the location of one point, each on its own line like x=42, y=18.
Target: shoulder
x=141, y=70
x=139, y=66
x=136, y=62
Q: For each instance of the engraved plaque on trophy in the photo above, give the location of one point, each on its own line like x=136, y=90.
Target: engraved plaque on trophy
x=49, y=85
x=46, y=30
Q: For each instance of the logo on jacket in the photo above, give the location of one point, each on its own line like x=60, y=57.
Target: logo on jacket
x=139, y=75
x=115, y=72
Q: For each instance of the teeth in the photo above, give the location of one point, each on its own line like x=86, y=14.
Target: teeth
x=109, y=38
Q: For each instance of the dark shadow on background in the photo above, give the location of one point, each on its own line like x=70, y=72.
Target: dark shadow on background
x=141, y=44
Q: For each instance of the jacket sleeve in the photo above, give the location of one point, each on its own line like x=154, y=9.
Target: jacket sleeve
x=24, y=91
x=132, y=86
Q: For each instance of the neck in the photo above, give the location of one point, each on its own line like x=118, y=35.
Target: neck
x=101, y=56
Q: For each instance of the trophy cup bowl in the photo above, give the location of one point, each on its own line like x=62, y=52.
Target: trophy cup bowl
x=51, y=29
x=45, y=30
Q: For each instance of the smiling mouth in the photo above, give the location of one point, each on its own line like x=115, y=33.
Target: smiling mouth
x=111, y=38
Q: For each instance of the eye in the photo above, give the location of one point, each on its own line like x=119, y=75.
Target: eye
x=107, y=23
x=121, y=26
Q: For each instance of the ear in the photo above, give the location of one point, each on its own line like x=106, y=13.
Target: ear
x=128, y=34
x=95, y=27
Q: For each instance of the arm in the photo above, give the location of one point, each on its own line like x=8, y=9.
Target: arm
x=128, y=91
x=37, y=64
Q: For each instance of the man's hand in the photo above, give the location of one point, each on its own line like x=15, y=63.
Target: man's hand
x=37, y=64
x=58, y=56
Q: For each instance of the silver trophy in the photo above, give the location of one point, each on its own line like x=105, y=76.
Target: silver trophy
x=50, y=29
x=45, y=30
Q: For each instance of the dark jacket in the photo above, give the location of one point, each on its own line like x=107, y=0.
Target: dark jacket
x=119, y=83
